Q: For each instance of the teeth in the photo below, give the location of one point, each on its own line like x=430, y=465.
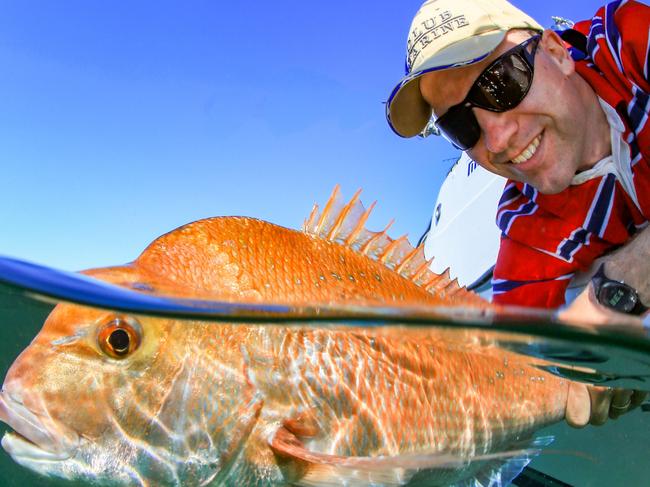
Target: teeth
x=528, y=152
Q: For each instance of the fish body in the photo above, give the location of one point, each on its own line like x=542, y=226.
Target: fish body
x=126, y=400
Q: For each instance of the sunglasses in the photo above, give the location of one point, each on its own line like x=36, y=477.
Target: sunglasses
x=499, y=88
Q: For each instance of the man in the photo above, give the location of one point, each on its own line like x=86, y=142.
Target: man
x=564, y=119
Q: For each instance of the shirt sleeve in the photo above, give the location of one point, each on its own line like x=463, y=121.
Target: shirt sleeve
x=618, y=40
x=633, y=22
x=525, y=276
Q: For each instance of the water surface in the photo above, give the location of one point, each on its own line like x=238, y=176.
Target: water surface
x=614, y=454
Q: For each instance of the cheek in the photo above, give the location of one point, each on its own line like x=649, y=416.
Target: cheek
x=550, y=92
x=72, y=395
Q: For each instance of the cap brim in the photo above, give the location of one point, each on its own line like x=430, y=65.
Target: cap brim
x=406, y=111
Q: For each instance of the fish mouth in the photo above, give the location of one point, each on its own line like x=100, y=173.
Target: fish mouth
x=31, y=438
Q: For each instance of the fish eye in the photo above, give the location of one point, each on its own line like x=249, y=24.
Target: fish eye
x=119, y=337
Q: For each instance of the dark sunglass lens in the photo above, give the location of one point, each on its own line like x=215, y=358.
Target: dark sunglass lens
x=460, y=127
x=504, y=85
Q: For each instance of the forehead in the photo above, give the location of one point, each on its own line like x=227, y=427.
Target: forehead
x=443, y=89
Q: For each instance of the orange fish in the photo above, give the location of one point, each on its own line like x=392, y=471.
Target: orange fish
x=104, y=397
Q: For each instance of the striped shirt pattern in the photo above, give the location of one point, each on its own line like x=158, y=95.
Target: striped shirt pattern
x=546, y=239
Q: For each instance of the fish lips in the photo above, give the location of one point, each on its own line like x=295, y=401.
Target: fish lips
x=32, y=440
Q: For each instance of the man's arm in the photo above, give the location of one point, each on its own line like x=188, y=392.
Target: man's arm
x=630, y=264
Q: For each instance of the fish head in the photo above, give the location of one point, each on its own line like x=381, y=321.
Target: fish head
x=106, y=397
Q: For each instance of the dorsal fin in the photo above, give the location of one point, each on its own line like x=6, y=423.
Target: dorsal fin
x=345, y=224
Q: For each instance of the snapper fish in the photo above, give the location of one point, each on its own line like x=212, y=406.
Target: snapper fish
x=115, y=399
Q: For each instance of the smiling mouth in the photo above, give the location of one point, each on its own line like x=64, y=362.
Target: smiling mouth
x=31, y=439
x=528, y=152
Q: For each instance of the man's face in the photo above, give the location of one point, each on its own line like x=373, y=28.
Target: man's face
x=545, y=139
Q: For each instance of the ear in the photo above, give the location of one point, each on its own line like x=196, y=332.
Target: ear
x=554, y=47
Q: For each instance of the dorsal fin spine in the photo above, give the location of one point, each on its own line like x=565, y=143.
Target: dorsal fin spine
x=407, y=259
x=390, y=247
x=361, y=225
x=328, y=208
x=375, y=238
x=312, y=217
x=342, y=216
x=345, y=225
x=439, y=282
x=430, y=283
x=455, y=288
x=422, y=270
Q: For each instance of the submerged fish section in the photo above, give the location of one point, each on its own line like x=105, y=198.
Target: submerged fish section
x=127, y=399
x=164, y=402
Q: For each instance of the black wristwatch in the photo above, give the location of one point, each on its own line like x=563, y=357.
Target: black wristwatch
x=616, y=295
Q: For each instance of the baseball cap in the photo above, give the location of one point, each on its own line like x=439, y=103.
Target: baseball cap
x=447, y=34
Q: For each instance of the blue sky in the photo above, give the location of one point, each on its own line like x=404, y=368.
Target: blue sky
x=122, y=120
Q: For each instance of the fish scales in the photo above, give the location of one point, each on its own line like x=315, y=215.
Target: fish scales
x=385, y=367
x=191, y=403
x=272, y=264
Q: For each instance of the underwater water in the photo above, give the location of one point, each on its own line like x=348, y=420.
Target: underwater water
x=613, y=454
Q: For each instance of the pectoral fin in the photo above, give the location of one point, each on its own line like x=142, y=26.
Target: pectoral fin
x=304, y=425
x=307, y=468
x=303, y=467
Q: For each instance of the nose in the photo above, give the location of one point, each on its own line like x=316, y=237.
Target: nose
x=497, y=129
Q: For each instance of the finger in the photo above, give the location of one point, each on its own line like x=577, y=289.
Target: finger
x=621, y=402
x=578, y=405
x=601, y=399
x=637, y=399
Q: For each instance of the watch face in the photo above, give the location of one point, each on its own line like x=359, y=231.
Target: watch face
x=617, y=296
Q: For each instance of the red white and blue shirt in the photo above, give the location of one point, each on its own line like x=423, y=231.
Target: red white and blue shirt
x=547, y=239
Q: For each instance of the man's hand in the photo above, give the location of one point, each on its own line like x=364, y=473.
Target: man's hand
x=631, y=264
x=593, y=405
